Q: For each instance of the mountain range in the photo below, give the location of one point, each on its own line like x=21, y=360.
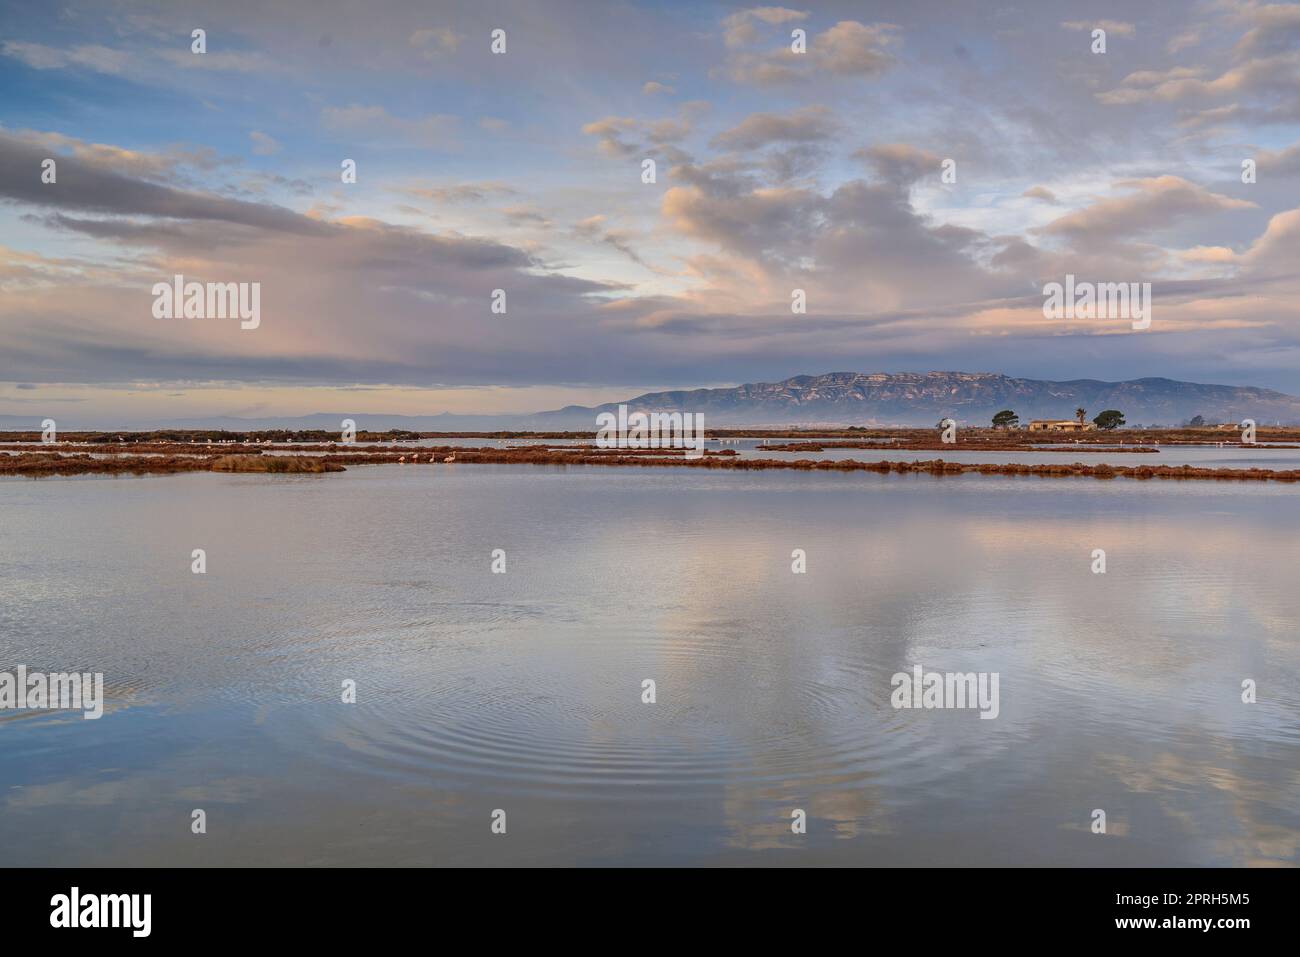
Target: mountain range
x=835, y=398
x=913, y=398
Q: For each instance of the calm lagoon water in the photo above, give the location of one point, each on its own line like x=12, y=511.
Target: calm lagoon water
x=1228, y=455
x=522, y=691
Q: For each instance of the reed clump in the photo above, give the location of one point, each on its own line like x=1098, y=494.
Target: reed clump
x=278, y=464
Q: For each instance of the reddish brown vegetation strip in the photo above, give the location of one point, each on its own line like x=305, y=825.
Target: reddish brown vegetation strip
x=934, y=466
x=935, y=445
x=42, y=463
x=280, y=464
x=45, y=463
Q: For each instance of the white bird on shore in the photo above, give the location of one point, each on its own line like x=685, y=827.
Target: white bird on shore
x=450, y=458
x=402, y=459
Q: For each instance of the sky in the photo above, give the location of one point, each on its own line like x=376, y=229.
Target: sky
x=775, y=170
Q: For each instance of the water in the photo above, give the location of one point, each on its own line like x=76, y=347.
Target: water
x=522, y=691
x=1229, y=455
x=1201, y=456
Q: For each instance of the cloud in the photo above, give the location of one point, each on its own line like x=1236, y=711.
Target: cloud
x=1115, y=27
x=1262, y=76
x=156, y=165
x=100, y=59
x=264, y=144
x=1275, y=73
x=806, y=125
x=610, y=132
x=1279, y=162
x=763, y=224
x=229, y=61
x=526, y=215
x=460, y=192
x=593, y=229
x=757, y=197
x=741, y=29
x=89, y=182
x=1209, y=254
x=848, y=49
x=860, y=248
x=436, y=131
x=355, y=300
x=622, y=136
x=351, y=300
x=1272, y=254
x=1274, y=28
x=853, y=49
x=138, y=64
x=1277, y=249
x=899, y=164
x=433, y=44
x=1183, y=41
x=1149, y=204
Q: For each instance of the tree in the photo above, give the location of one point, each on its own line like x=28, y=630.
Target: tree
x=1005, y=419
x=1079, y=413
x=1110, y=419
x=1197, y=421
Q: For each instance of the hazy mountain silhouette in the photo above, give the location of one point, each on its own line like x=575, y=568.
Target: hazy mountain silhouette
x=839, y=398
x=912, y=398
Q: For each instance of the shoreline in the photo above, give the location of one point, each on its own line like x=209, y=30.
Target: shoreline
x=900, y=437
x=46, y=463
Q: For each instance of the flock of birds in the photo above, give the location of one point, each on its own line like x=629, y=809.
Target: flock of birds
x=415, y=458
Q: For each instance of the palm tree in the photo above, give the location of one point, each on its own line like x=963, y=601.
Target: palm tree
x=1079, y=413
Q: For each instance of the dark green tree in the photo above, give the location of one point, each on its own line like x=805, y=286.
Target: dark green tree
x=1005, y=419
x=1110, y=419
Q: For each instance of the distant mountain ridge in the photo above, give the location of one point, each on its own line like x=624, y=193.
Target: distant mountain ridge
x=915, y=398
x=836, y=398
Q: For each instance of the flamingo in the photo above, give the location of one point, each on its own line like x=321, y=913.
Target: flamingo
x=450, y=458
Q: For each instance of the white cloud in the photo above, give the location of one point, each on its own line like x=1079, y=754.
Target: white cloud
x=436, y=131
x=264, y=144
x=38, y=56
x=1116, y=27
x=434, y=43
